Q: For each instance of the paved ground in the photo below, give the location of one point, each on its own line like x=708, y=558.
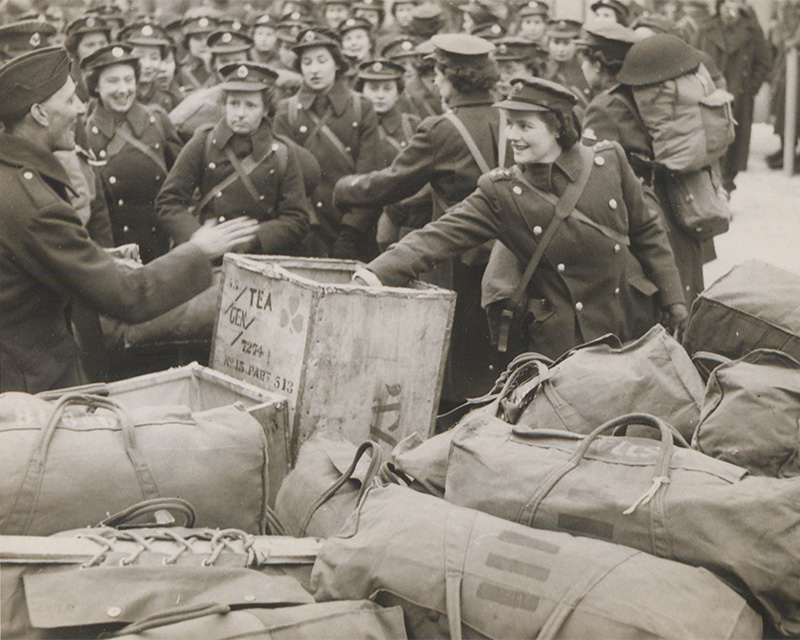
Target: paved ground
x=766, y=214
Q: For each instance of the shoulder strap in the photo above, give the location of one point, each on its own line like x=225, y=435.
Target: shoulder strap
x=356, y=105
x=469, y=141
x=123, y=132
x=564, y=207
x=502, y=145
x=320, y=126
x=405, y=123
x=283, y=158
x=613, y=234
x=294, y=108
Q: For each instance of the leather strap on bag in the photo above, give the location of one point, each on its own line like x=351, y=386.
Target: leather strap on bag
x=564, y=208
x=376, y=461
x=24, y=505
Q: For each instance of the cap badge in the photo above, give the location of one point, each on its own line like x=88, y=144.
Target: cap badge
x=90, y=21
x=117, y=52
x=502, y=48
x=202, y=23
x=562, y=24
x=517, y=88
x=147, y=30
x=242, y=71
x=377, y=67
x=295, y=15
x=309, y=37
x=496, y=28
x=35, y=40
x=236, y=25
x=349, y=22
x=226, y=37
x=407, y=46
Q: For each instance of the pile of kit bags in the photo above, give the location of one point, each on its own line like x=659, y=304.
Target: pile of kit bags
x=645, y=490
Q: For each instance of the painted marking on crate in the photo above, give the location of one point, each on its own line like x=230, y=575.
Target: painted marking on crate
x=386, y=401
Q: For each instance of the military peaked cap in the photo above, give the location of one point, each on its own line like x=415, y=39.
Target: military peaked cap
x=611, y=39
x=229, y=42
x=116, y=53
x=88, y=24
x=380, y=69
x=247, y=76
x=426, y=20
x=354, y=23
x=534, y=8
x=563, y=29
x=537, y=94
x=618, y=7
x=145, y=34
x=317, y=37
x=30, y=79
x=460, y=49
x=517, y=49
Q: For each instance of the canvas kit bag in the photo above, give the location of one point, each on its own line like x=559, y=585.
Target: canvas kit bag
x=698, y=202
x=460, y=573
x=70, y=463
x=139, y=562
x=327, y=482
x=753, y=306
x=664, y=499
x=751, y=413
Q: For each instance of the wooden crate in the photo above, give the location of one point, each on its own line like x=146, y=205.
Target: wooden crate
x=201, y=388
x=365, y=362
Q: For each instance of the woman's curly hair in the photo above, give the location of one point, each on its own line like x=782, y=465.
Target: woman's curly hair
x=564, y=125
x=469, y=79
x=611, y=67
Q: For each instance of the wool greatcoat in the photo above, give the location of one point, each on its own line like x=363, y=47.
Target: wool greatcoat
x=357, y=151
x=437, y=155
x=282, y=208
x=587, y=284
x=130, y=178
x=47, y=259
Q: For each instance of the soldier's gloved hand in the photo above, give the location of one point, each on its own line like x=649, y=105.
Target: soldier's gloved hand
x=675, y=318
x=348, y=245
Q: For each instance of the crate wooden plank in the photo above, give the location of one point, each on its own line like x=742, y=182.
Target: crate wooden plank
x=360, y=361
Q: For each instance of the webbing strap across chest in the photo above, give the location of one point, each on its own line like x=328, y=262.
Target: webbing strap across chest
x=565, y=206
x=124, y=132
x=483, y=165
x=241, y=171
x=321, y=127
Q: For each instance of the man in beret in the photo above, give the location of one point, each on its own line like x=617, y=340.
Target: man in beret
x=47, y=259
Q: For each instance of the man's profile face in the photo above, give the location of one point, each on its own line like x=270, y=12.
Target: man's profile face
x=63, y=109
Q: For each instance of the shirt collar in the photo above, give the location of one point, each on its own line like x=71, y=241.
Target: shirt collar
x=262, y=138
x=105, y=120
x=20, y=153
x=480, y=98
x=338, y=94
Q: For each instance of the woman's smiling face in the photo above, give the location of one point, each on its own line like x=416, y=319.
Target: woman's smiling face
x=116, y=86
x=531, y=140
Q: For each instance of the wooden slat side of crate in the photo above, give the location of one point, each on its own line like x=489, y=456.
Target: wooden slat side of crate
x=365, y=362
x=383, y=388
